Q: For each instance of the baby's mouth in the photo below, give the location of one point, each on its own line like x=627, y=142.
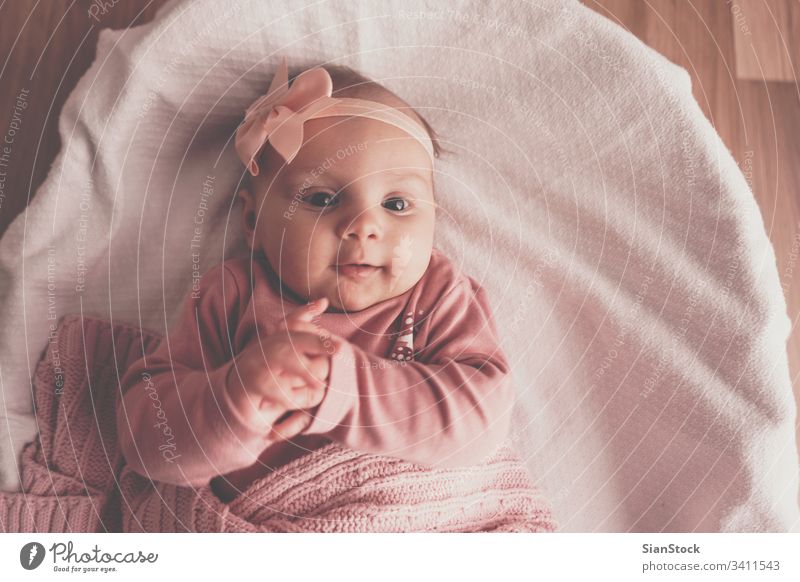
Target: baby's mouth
x=357, y=270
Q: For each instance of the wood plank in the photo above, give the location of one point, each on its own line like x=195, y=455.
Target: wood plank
x=767, y=39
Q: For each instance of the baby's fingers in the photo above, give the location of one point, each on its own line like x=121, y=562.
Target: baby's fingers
x=304, y=313
x=303, y=326
x=291, y=426
x=298, y=374
x=306, y=343
x=301, y=395
x=320, y=367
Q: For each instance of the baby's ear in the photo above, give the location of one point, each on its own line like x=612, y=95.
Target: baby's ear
x=248, y=215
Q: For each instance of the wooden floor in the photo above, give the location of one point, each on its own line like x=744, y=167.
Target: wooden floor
x=743, y=55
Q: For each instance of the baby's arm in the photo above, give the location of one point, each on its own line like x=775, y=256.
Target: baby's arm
x=452, y=407
x=176, y=421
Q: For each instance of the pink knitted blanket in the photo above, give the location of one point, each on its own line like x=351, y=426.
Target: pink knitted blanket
x=74, y=477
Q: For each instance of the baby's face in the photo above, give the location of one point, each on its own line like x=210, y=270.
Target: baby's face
x=351, y=218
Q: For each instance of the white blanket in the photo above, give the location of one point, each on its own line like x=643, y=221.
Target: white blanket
x=623, y=252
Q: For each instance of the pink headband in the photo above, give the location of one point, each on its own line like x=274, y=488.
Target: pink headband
x=278, y=116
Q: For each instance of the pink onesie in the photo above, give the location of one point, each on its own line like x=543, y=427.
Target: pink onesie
x=421, y=378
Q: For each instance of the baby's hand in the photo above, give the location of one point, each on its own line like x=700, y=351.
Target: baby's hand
x=283, y=374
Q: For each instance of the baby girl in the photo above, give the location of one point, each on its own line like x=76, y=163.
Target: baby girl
x=344, y=324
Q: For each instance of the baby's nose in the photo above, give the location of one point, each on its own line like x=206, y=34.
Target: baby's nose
x=364, y=225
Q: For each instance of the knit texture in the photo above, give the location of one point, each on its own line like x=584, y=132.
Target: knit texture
x=69, y=473
x=74, y=477
x=334, y=489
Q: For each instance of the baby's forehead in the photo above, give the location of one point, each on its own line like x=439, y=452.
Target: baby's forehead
x=325, y=171
x=354, y=141
x=379, y=94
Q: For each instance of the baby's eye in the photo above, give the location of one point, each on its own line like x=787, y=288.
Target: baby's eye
x=396, y=204
x=322, y=199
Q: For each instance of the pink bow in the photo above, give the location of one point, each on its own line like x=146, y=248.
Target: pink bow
x=278, y=116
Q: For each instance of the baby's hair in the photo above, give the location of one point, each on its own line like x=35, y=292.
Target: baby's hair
x=347, y=82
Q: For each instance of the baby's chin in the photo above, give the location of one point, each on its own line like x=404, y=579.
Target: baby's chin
x=353, y=302
x=348, y=306
x=349, y=298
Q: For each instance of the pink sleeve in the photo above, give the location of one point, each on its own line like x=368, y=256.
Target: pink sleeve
x=449, y=408
x=176, y=421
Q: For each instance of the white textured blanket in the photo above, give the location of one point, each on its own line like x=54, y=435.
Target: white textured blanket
x=625, y=257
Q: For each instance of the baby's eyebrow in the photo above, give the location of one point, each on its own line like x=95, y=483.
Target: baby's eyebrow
x=303, y=176
x=310, y=173
x=410, y=174
x=410, y=171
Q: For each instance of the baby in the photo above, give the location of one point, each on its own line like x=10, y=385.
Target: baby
x=343, y=325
